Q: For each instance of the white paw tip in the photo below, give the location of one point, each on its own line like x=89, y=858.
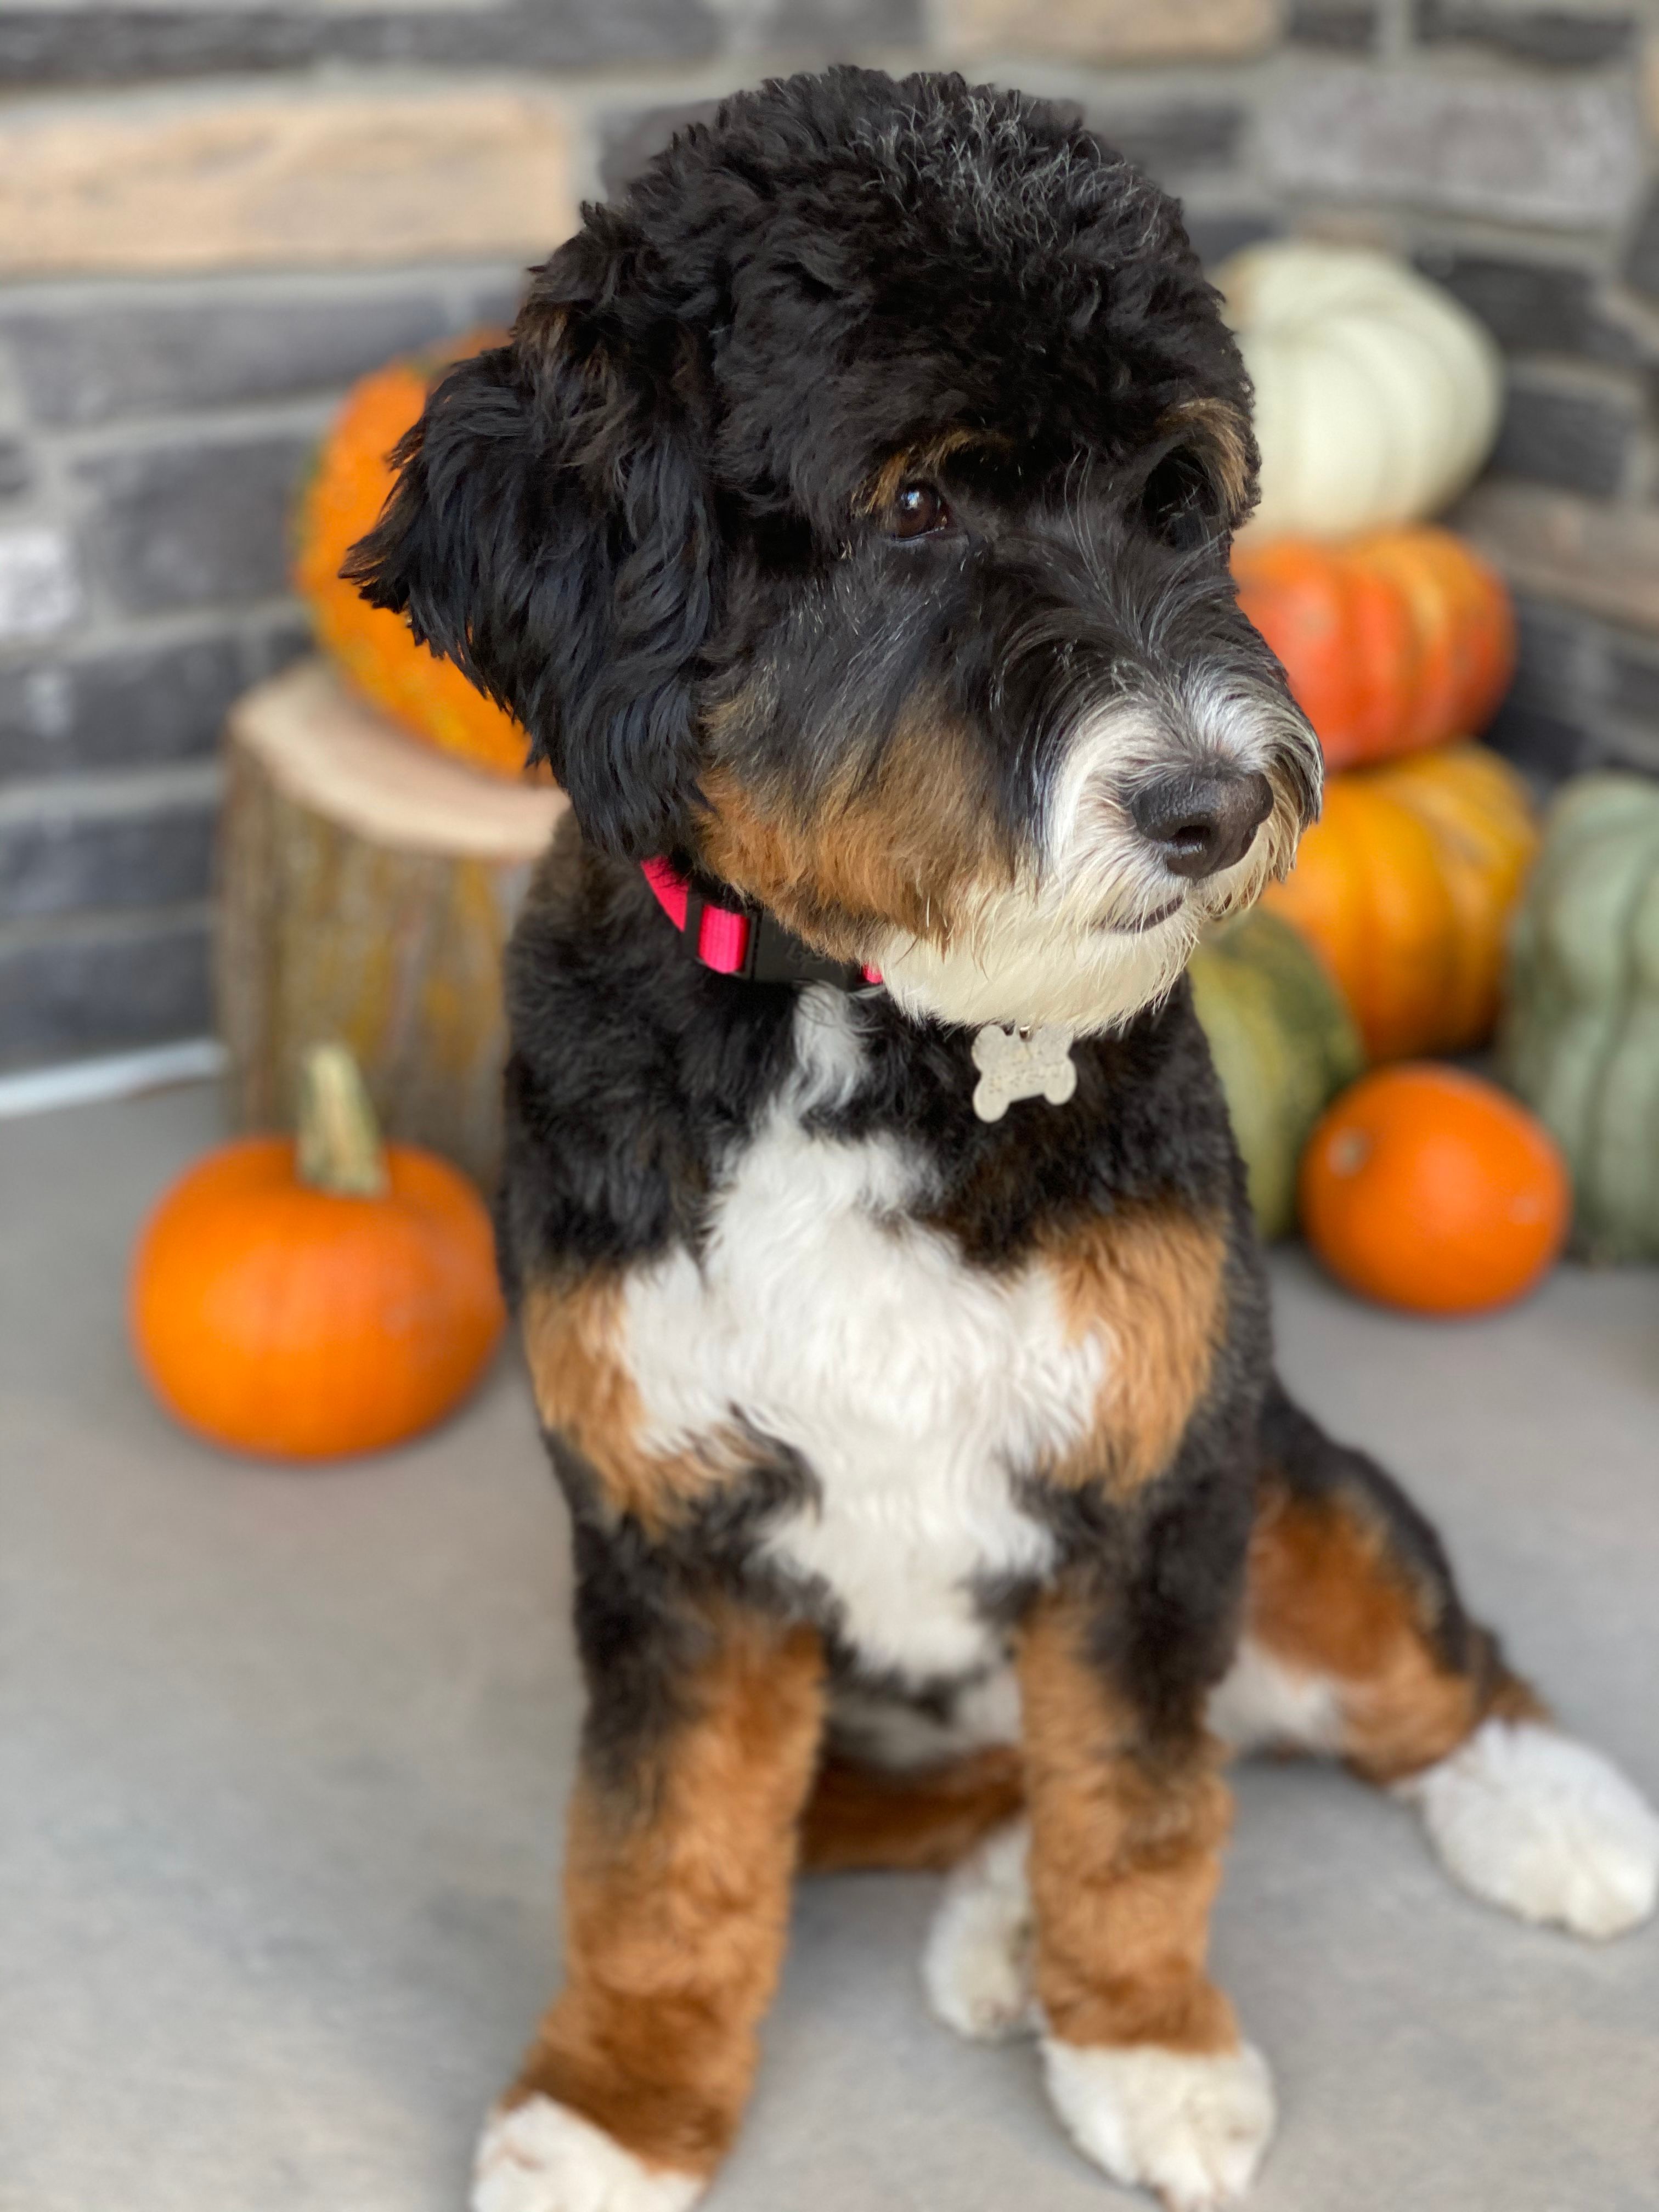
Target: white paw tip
x=1192, y=2128
x=1530, y=1820
x=977, y=1966
x=540, y=2157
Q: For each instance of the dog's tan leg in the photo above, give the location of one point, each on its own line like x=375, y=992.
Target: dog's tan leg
x=1125, y=1854
x=1356, y=1642
x=676, y=1898
x=1141, y=2050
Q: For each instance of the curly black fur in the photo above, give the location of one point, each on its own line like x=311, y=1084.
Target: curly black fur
x=653, y=494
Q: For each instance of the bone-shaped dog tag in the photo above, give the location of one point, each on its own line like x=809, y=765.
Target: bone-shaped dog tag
x=1013, y=1065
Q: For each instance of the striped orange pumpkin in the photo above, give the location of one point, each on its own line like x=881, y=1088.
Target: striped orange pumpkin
x=1393, y=643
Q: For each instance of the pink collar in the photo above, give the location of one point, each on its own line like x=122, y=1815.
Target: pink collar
x=747, y=941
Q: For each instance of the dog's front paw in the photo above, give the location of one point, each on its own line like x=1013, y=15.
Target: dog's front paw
x=1530, y=1820
x=1190, y=2127
x=540, y=2157
x=976, y=1968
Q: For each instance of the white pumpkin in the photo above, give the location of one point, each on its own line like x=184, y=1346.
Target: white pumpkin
x=1377, y=397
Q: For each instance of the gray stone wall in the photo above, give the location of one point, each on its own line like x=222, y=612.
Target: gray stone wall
x=212, y=217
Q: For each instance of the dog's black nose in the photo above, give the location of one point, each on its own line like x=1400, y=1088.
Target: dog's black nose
x=1202, y=821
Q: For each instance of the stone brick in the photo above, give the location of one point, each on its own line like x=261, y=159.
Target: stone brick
x=1636, y=749
x=628, y=141
x=299, y=177
x=274, y=646
x=1533, y=306
x=1552, y=744
x=1599, y=560
x=1548, y=720
x=1553, y=36
x=66, y=846
x=16, y=471
x=834, y=28
x=117, y=46
x=1108, y=30
x=1642, y=259
x=1562, y=153
x=1171, y=142
x=1339, y=27
x=1544, y=722
x=102, y=986
x=1556, y=654
x=123, y=355
x=182, y=526
x=1216, y=236
x=124, y=709
x=39, y=588
x=1633, y=679
x=495, y=301
x=1579, y=441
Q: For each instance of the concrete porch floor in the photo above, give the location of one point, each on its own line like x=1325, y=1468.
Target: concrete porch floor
x=282, y=1757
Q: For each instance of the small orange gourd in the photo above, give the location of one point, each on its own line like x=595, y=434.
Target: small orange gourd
x=312, y=1299
x=1392, y=642
x=343, y=500
x=1424, y=1188
x=1404, y=887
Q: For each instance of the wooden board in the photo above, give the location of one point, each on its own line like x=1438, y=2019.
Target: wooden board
x=367, y=887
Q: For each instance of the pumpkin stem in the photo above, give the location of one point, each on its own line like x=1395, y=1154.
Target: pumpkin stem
x=339, y=1145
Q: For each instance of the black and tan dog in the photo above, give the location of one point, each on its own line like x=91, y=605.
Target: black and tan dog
x=848, y=524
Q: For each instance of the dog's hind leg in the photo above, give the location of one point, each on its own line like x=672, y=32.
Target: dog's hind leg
x=681, y=1846
x=977, y=1967
x=960, y=1815
x=1356, y=1642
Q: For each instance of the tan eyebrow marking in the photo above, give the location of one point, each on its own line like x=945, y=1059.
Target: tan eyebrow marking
x=883, y=488
x=1225, y=436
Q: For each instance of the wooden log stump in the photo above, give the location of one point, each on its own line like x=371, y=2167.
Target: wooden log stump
x=366, y=886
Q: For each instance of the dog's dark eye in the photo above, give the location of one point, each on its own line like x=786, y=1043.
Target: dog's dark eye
x=917, y=511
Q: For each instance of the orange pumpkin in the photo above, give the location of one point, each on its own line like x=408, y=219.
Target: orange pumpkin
x=1427, y=1188
x=428, y=696
x=307, y=1300
x=1404, y=887
x=1480, y=815
x=1394, y=641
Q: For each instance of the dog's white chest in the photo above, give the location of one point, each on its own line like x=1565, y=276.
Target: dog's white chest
x=915, y=1389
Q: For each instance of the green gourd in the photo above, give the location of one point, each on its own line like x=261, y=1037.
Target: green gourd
x=1581, y=1035
x=1284, y=1044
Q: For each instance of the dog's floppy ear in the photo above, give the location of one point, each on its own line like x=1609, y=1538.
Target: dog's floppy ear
x=550, y=532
